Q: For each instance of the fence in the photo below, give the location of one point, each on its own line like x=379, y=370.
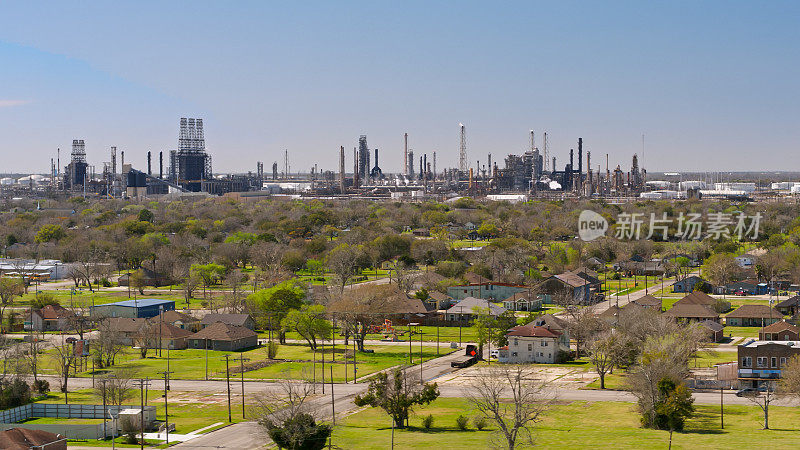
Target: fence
x=10, y=418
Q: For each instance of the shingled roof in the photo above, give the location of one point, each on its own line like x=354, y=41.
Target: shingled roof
x=691, y=311
x=779, y=326
x=755, y=311
x=219, y=331
x=697, y=298
x=531, y=330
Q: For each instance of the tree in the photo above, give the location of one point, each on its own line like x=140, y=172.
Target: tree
x=117, y=387
x=601, y=354
x=63, y=359
x=763, y=397
x=138, y=281
x=528, y=400
x=790, y=378
x=363, y=307
x=209, y=274
x=10, y=288
x=343, y=261
x=107, y=344
x=49, y=233
x=271, y=305
x=309, y=322
x=397, y=394
x=720, y=269
x=663, y=357
x=674, y=406
x=288, y=419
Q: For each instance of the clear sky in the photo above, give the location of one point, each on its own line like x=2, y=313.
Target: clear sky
x=712, y=85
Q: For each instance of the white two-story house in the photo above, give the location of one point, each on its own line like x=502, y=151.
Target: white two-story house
x=535, y=344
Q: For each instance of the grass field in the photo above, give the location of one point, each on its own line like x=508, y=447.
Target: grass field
x=291, y=361
x=576, y=425
x=189, y=411
x=741, y=331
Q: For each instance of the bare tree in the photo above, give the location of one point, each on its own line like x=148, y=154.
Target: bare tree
x=31, y=354
x=285, y=402
x=763, y=397
x=63, y=359
x=343, y=261
x=116, y=388
x=107, y=344
x=10, y=288
x=527, y=400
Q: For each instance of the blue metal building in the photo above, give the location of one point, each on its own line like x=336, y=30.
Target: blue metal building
x=142, y=308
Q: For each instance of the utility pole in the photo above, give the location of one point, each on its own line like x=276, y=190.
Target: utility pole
x=166, y=405
x=142, y=382
x=322, y=342
x=228, y=378
x=241, y=360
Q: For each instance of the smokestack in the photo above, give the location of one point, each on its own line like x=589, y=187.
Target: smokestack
x=571, y=162
x=355, y=168
x=161, y=165
x=149, y=171
x=405, y=153
x=580, y=158
x=588, y=160
x=341, y=168
x=376, y=157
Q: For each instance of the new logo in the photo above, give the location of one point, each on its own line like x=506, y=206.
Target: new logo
x=591, y=225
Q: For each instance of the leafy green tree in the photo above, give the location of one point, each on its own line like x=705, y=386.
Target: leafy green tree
x=273, y=304
x=674, y=407
x=397, y=395
x=309, y=322
x=49, y=233
x=299, y=433
x=145, y=215
x=209, y=274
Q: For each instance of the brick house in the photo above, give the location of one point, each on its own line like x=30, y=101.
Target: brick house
x=51, y=318
x=753, y=316
x=763, y=360
x=790, y=306
x=687, y=312
x=779, y=331
x=222, y=336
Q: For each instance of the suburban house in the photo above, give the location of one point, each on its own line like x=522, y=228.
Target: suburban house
x=747, y=287
x=178, y=319
x=551, y=322
x=790, y=306
x=489, y=290
x=638, y=266
x=753, y=316
x=745, y=261
x=465, y=309
x=239, y=320
x=438, y=300
x=167, y=336
x=127, y=329
x=50, y=318
x=150, y=278
x=20, y=438
x=714, y=330
x=687, y=284
x=763, y=360
x=697, y=298
x=690, y=312
x=522, y=301
x=779, y=331
x=573, y=285
x=223, y=336
x=649, y=302
x=142, y=308
x=532, y=344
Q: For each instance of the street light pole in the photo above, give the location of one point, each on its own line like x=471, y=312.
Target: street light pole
x=241, y=360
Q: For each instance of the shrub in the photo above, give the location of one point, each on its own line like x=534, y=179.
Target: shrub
x=479, y=422
x=41, y=386
x=272, y=349
x=14, y=393
x=427, y=422
x=462, y=422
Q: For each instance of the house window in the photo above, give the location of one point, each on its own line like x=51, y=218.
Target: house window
x=747, y=361
x=549, y=355
x=516, y=342
x=783, y=361
x=774, y=362
x=530, y=347
x=761, y=361
x=544, y=343
x=767, y=336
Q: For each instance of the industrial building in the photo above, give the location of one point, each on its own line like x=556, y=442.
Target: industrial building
x=142, y=308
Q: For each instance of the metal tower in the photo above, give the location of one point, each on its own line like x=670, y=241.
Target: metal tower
x=462, y=162
x=546, y=154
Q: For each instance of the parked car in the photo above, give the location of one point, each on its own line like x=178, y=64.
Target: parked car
x=746, y=392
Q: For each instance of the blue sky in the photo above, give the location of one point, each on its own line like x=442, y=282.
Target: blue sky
x=712, y=85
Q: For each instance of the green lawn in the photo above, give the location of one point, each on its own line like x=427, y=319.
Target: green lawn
x=575, y=425
x=189, y=411
x=741, y=331
x=291, y=361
